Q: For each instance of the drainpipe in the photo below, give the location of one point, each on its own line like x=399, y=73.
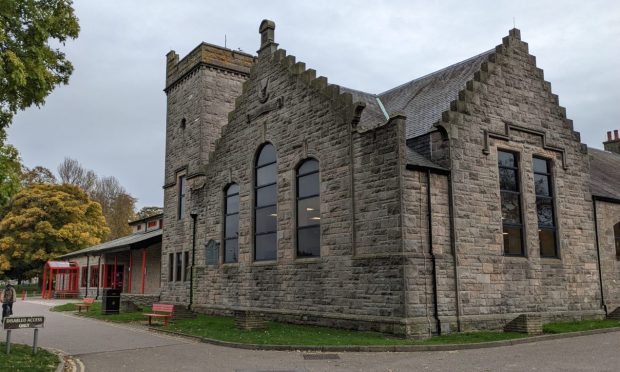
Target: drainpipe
x=451, y=210
x=194, y=216
x=431, y=251
x=598, y=258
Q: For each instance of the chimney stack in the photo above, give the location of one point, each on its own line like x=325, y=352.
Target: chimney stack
x=613, y=143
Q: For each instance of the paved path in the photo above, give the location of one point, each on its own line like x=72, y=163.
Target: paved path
x=103, y=346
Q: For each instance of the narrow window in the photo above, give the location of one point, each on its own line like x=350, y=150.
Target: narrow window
x=84, y=278
x=181, y=201
x=94, y=276
x=544, y=208
x=265, y=208
x=508, y=163
x=171, y=267
x=617, y=238
x=186, y=266
x=231, y=224
x=308, y=209
x=179, y=267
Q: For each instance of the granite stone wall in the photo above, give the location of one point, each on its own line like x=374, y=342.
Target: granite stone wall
x=607, y=215
x=508, y=105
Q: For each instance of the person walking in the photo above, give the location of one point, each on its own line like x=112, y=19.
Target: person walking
x=7, y=297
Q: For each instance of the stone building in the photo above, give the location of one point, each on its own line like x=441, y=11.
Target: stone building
x=456, y=201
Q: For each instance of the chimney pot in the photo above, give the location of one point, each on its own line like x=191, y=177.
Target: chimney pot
x=616, y=134
x=608, y=135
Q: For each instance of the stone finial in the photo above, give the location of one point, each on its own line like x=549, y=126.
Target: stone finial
x=267, y=37
x=515, y=33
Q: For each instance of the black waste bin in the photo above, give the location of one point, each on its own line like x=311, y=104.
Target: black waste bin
x=111, y=301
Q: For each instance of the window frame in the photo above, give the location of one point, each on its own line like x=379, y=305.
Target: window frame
x=178, y=266
x=171, y=267
x=256, y=208
x=94, y=276
x=225, y=239
x=298, y=176
x=616, y=229
x=84, y=276
x=551, y=198
x=518, y=193
x=181, y=196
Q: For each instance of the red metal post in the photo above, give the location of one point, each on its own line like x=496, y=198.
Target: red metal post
x=143, y=269
x=114, y=273
x=105, y=276
x=130, y=271
x=51, y=279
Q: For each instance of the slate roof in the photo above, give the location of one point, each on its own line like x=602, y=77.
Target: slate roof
x=604, y=174
x=424, y=99
x=125, y=241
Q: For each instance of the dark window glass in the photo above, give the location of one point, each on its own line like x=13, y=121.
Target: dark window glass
x=510, y=191
x=266, y=196
x=511, y=211
x=547, y=242
x=267, y=155
x=544, y=208
x=266, y=175
x=231, y=224
x=265, y=247
x=506, y=159
x=84, y=278
x=540, y=165
x=308, y=209
x=94, y=276
x=265, y=210
x=186, y=266
x=181, y=201
x=170, y=267
x=513, y=244
x=617, y=236
x=231, y=250
x=266, y=220
x=179, y=267
x=508, y=179
x=308, y=185
x=541, y=185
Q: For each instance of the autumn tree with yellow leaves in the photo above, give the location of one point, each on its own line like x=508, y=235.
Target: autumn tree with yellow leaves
x=44, y=221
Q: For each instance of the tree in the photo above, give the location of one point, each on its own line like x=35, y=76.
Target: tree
x=72, y=172
x=10, y=171
x=45, y=221
x=148, y=212
x=37, y=174
x=117, y=205
x=29, y=67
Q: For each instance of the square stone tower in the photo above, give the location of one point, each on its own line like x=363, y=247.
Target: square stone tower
x=201, y=90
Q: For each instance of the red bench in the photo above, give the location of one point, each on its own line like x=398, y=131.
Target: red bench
x=86, y=304
x=161, y=311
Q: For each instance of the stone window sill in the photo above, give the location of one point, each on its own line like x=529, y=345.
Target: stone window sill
x=308, y=260
x=265, y=263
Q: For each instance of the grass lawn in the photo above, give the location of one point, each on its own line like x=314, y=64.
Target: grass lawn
x=223, y=328
x=22, y=360
x=583, y=325
x=95, y=312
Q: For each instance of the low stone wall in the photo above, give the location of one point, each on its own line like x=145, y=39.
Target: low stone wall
x=139, y=299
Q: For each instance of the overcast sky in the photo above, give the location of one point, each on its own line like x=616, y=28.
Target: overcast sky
x=111, y=116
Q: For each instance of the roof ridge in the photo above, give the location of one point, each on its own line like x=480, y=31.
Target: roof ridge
x=437, y=71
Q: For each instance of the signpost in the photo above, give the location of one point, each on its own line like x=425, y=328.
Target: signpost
x=22, y=322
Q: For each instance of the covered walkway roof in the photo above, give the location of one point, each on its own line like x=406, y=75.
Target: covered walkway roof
x=126, y=242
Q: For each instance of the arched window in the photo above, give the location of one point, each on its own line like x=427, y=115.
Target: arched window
x=308, y=209
x=231, y=224
x=617, y=238
x=265, y=207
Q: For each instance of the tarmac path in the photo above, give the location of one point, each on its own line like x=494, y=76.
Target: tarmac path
x=103, y=346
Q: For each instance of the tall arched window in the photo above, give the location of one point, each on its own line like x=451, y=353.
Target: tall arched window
x=617, y=238
x=231, y=224
x=265, y=207
x=308, y=209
